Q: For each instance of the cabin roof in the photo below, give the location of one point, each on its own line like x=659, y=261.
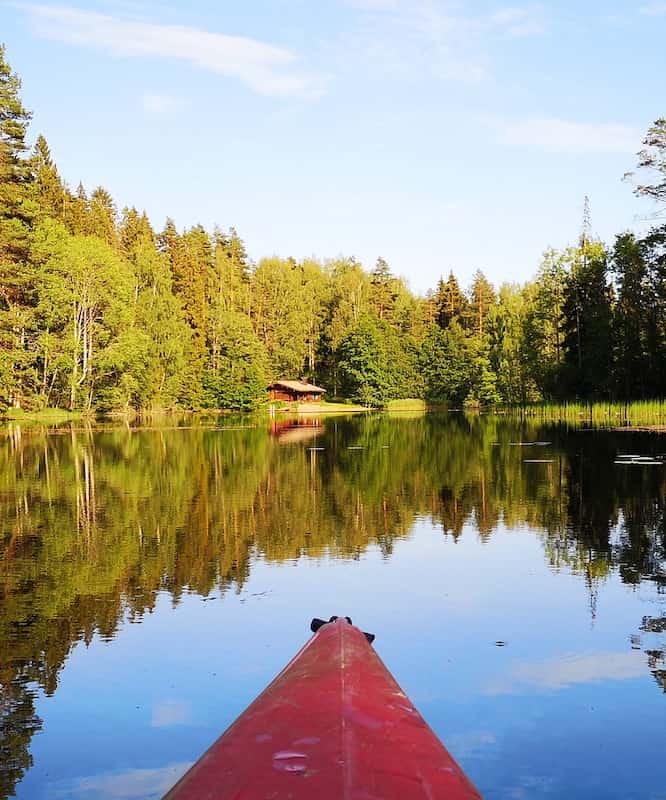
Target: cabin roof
x=297, y=386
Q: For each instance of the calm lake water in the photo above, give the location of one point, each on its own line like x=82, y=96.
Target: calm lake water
x=153, y=580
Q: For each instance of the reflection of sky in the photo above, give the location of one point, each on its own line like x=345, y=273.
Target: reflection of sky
x=560, y=710
x=170, y=712
x=132, y=784
x=561, y=673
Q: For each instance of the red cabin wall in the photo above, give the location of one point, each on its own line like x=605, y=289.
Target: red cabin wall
x=293, y=397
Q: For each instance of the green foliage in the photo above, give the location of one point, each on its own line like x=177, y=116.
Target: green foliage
x=408, y=404
x=481, y=304
x=85, y=290
x=377, y=365
x=50, y=192
x=543, y=323
x=363, y=364
x=448, y=362
x=586, y=314
x=652, y=159
x=17, y=212
x=639, y=324
x=509, y=346
x=280, y=315
x=449, y=302
x=239, y=377
x=384, y=289
x=97, y=312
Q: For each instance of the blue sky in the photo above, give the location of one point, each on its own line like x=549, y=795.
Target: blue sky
x=439, y=135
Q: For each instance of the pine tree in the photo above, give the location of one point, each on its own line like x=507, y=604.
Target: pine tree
x=653, y=248
x=482, y=299
x=383, y=293
x=586, y=314
x=135, y=229
x=238, y=254
x=103, y=217
x=631, y=341
x=652, y=158
x=190, y=259
x=450, y=301
x=191, y=273
x=228, y=291
x=17, y=212
x=77, y=211
x=447, y=362
x=50, y=191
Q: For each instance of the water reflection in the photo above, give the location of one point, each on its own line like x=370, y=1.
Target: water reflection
x=96, y=523
x=566, y=671
x=132, y=784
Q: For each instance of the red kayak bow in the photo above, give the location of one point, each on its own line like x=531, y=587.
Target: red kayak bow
x=333, y=725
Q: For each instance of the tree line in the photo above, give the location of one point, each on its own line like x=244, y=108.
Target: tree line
x=101, y=312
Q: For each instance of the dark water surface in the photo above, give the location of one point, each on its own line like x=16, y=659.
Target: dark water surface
x=152, y=581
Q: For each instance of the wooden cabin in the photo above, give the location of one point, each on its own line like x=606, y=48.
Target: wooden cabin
x=295, y=391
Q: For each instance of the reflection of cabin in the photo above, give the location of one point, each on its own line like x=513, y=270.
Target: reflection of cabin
x=295, y=391
x=289, y=431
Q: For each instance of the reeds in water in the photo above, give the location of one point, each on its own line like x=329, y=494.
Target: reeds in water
x=640, y=413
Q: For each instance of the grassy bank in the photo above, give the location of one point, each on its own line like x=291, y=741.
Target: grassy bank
x=48, y=416
x=644, y=413
x=408, y=404
x=327, y=408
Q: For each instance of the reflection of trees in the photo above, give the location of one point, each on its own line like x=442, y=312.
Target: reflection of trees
x=18, y=724
x=94, y=524
x=656, y=655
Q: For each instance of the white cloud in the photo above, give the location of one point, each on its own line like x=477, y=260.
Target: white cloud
x=556, y=135
x=375, y=5
x=263, y=67
x=170, y=712
x=442, y=17
x=157, y=103
x=561, y=673
x=433, y=37
x=469, y=744
x=653, y=10
x=132, y=784
x=418, y=39
x=518, y=22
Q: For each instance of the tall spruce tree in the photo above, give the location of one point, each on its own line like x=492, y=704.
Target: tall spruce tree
x=587, y=325
x=631, y=356
x=77, y=211
x=50, y=191
x=17, y=211
x=653, y=246
x=450, y=301
x=482, y=299
x=383, y=292
x=103, y=222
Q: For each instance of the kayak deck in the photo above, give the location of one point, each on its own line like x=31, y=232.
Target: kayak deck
x=333, y=725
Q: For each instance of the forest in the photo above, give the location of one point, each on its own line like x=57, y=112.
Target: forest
x=101, y=312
